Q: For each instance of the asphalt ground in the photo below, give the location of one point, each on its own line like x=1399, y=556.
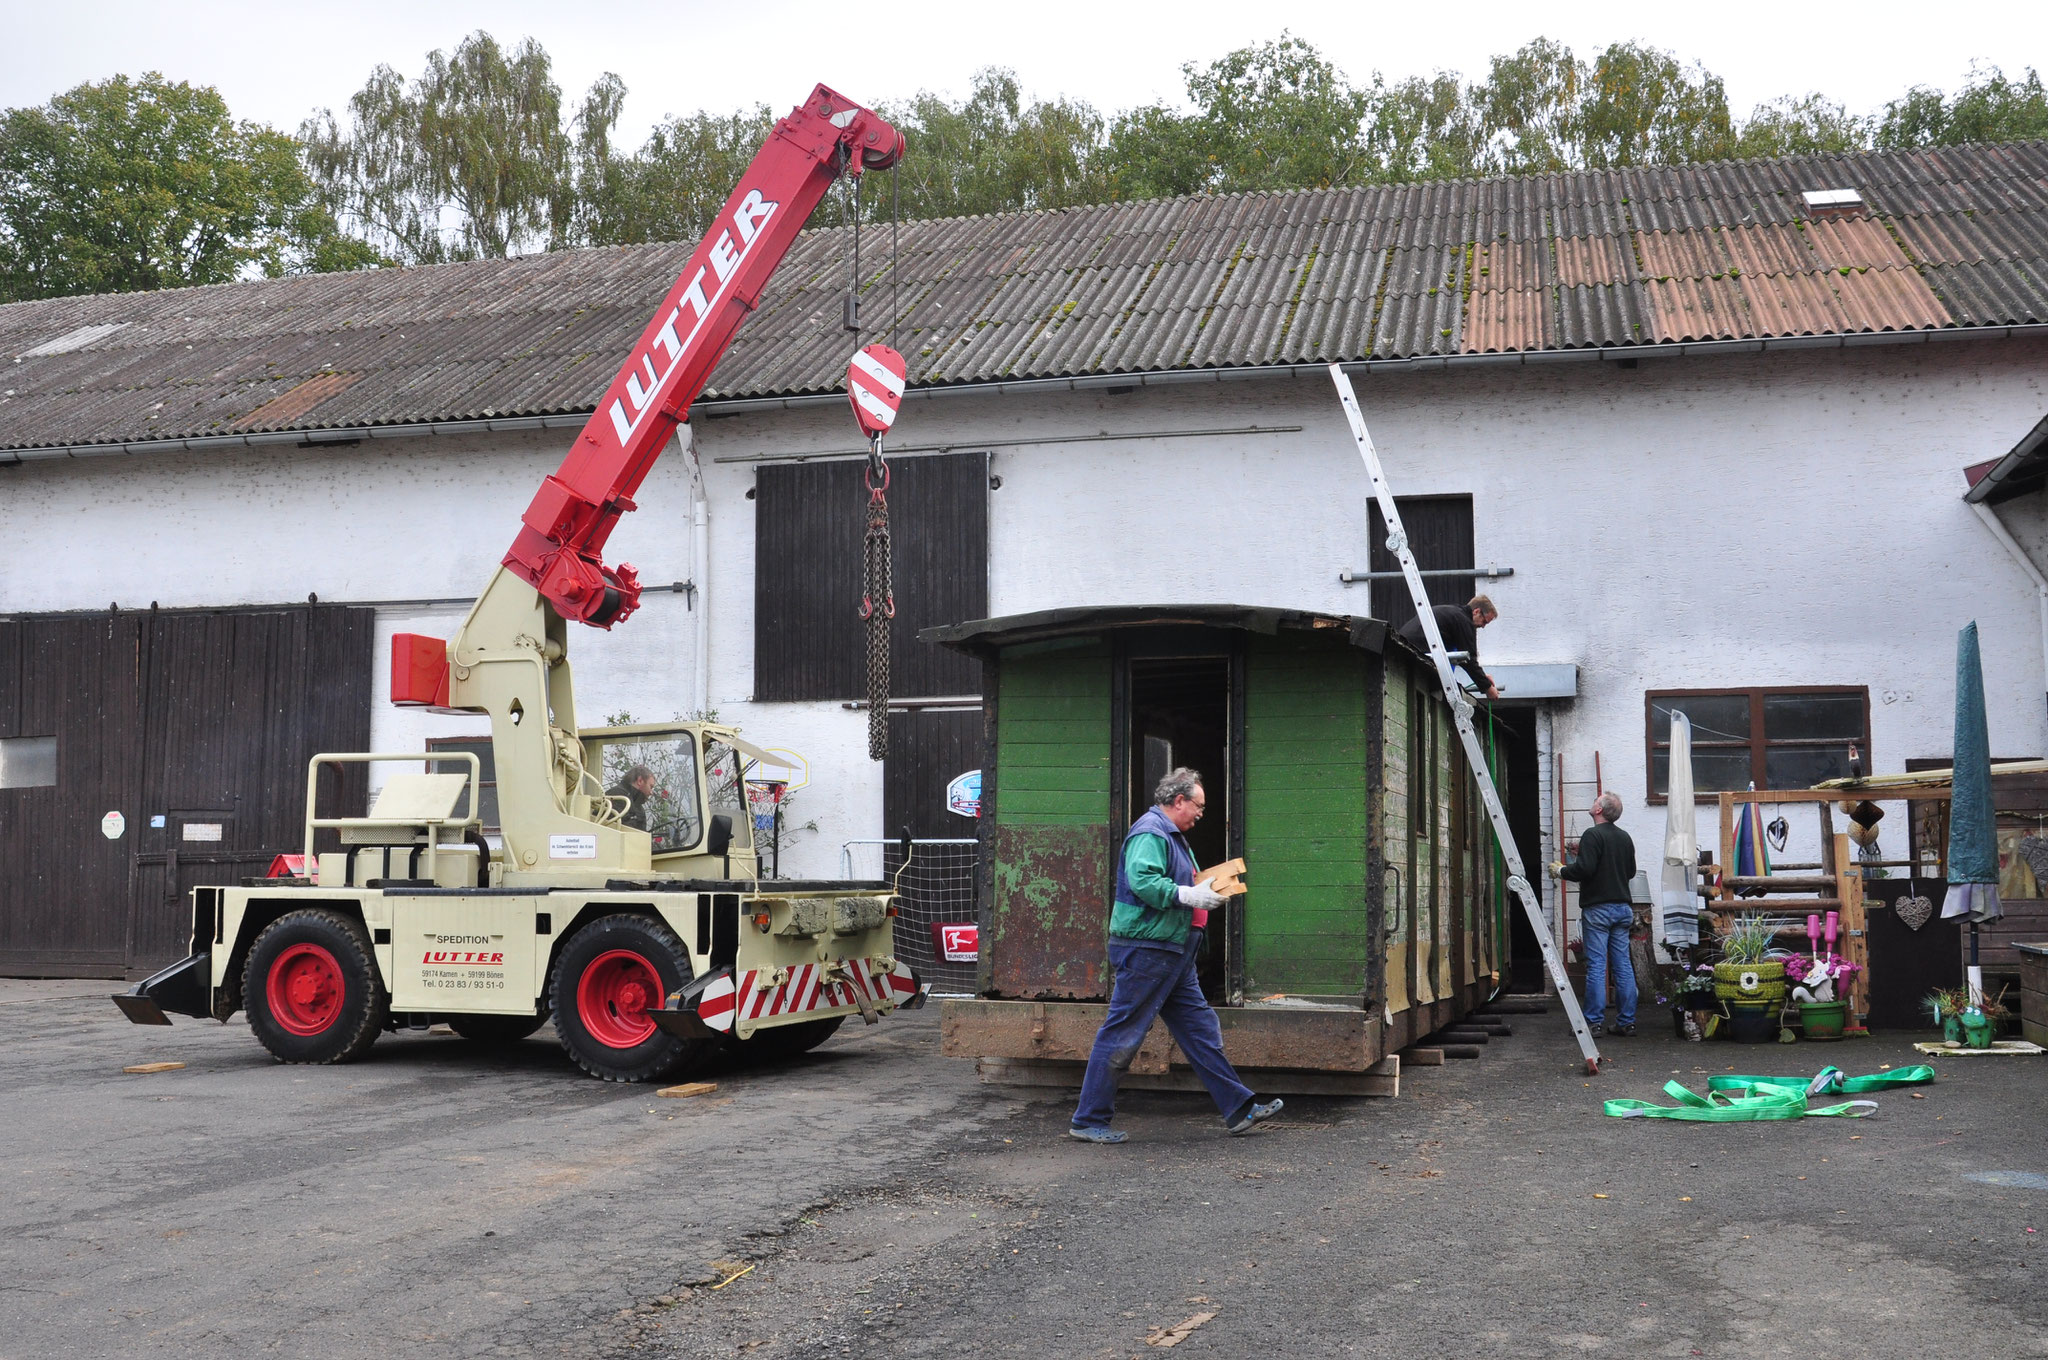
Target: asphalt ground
x=439, y=1199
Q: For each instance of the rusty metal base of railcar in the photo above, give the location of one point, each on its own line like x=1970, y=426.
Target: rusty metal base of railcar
x=1384, y=1079
x=1291, y=1047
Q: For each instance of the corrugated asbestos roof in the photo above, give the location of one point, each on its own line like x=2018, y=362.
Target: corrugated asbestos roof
x=1956, y=237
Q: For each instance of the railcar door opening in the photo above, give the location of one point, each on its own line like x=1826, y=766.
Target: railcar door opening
x=1178, y=713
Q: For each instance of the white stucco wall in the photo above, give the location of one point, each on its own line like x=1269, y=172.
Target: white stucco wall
x=1688, y=523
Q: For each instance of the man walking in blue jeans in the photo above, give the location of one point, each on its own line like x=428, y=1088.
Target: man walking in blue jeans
x=1606, y=861
x=1155, y=936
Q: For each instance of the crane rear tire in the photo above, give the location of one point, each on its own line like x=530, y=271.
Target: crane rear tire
x=609, y=975
x=787, y=1041
x=311, y=988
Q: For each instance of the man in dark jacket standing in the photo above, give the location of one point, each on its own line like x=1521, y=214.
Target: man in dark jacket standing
x=1459, y=627
x=1155, y=936
x=1605, y=863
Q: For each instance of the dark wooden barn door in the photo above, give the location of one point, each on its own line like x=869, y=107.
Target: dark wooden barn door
x=1440, y=533
x=927, y=750
x=63, y=885
x=809, y=641
x=194, y=726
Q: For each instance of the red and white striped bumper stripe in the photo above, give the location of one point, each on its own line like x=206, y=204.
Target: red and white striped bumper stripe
x=777, y=993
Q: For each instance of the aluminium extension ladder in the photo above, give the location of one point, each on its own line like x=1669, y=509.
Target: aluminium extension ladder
x=1461, y=712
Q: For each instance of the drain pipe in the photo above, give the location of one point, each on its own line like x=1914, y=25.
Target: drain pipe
x=2019, y=555
x=700, y=577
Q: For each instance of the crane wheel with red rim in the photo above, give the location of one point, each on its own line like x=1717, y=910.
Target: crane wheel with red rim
x=609, y=976
x=311, y=989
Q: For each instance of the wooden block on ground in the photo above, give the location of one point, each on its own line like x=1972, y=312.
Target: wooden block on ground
x=144, y=1069
x=1425, y=1057
x=687, y=1089
x=1999, y=1048
x=1459, y=1051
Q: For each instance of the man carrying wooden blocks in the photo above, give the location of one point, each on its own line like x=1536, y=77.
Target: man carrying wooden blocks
x=1155, y=936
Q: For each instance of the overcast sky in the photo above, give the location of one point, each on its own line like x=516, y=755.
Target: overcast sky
x=278, y=62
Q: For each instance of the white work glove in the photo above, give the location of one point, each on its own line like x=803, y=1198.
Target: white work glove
x=1200, y=895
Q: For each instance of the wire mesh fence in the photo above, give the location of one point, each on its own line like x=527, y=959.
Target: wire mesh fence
x=936, y=891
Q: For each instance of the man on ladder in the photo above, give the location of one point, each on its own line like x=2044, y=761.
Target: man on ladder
x=1461, y=713
x=1459, y=628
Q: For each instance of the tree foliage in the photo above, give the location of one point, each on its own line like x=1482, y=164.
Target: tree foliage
x=1990, y=107
x=673, y=187
x=995, y=152
x=130, y=184
x=127, y=184
x=473, y=159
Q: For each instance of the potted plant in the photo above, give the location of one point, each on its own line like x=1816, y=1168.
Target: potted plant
x=1692, y=994
x=1753, y=1022
x=1965, y=1025
x=1820, y=982
x=1745, y=975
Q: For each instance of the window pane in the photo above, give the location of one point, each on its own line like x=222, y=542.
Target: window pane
x=28, y=762
x=481, y=748
x=1799, y=767
x=724, y=776
x=1714, y=717
x=670, y=813
x=1813, y=717
x=1712, y=771
x=487, y=774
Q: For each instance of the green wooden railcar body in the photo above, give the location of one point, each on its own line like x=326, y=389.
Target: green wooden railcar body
x=1374, y=913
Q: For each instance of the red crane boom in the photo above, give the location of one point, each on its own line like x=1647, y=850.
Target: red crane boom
x=560, y=545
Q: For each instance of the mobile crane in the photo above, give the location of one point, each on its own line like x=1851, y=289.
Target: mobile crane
x=649, y=944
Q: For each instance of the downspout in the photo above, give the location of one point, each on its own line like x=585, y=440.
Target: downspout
x=2019, y=555
x=700, y=573
x=700, y=578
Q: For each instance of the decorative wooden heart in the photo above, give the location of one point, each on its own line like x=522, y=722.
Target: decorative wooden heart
x=1914, y=912
x=2034, y=850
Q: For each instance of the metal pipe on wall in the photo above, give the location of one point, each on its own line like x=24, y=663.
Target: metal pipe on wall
x=700, y=575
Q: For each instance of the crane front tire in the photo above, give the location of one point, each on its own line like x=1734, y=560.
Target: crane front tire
x=311, y=988
x=609, y=975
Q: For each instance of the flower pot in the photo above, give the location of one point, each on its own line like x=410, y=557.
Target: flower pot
x=1978, y=1029
x=1952, y=1028
x=1823, y=1019
x=1750, y=981
x=1752, y=1024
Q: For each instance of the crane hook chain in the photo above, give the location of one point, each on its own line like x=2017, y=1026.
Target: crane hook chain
x=878, y=598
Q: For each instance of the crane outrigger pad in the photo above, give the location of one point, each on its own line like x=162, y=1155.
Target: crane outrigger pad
x=183, y=989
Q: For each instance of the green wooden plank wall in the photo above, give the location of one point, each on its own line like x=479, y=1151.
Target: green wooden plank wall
x=1306, y=823
x=1052, y=739
x=1049, y=823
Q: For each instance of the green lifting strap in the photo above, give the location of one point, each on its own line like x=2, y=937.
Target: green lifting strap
x=1832, y=1081
x=1738, y=1099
